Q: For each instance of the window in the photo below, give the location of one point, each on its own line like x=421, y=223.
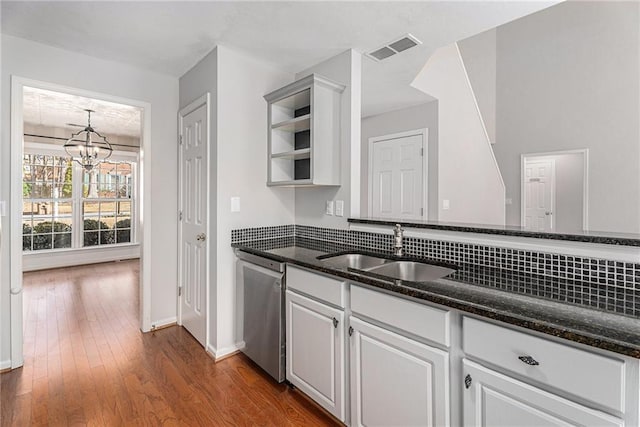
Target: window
x=65, y=206
x=106, y=204
x=47, y=202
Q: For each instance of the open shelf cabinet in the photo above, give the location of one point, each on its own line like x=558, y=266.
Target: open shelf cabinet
x=304, y=133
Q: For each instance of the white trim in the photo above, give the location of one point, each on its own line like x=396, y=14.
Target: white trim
x=17, y=358
x=42, y=260
x=484, y=128
x=161, y=323
x=17, y=131
x=222, y=353
x=5, y=364
x=424, y=132
x=583, y=249
x=585, y=180
x=202, y=100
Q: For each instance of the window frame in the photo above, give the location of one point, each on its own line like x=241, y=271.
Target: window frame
x=77, y=198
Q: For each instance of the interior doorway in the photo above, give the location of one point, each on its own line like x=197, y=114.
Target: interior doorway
x=55, y=202
x=554, y=189
x=193, y=226
x=397, y=171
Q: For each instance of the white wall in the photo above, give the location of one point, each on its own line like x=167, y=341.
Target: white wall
x=577, y=65
x=406, y=119
x=479, y=56
x=239, y=164
x=242, y=170
x=344, y=68
x=468, y=175
x=36, y=61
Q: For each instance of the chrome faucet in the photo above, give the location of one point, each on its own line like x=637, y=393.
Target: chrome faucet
x=398, y=250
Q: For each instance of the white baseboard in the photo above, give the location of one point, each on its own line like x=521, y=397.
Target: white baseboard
x=32, y=261
x=5, y=364
x=222, y=353
x=161, y=323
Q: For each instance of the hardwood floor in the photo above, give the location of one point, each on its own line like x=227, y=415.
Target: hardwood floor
x=87, y=363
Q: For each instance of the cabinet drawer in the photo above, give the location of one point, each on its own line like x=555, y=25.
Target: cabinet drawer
x=324, y=288
x=418, y=319
x=591, y=376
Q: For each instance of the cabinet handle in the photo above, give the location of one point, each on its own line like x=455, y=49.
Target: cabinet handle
x=529, y=360
x=350, y=330
x=467, y=381
x=335, y=322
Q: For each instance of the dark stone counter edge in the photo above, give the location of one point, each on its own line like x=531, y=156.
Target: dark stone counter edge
x=532, y=324
x=602, y=238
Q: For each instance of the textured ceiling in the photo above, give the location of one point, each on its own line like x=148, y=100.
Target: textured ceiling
x=47, y=108
x=171, y=36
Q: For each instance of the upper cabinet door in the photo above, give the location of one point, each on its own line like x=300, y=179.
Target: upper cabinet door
x=303, y=128
x=493, y=400
x=396, y=381
x=315, y=351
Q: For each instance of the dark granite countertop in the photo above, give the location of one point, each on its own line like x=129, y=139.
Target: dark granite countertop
x=596, y=328
x=602, y=237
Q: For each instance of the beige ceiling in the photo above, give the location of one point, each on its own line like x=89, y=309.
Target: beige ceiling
x=55, y=109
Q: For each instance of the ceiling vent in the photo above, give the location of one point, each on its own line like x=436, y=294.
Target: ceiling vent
x=400, y=45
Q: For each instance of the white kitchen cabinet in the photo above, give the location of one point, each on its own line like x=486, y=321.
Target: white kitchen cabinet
x=396, y=381
x=316, y=351
x=492, y=399
x=304, y=133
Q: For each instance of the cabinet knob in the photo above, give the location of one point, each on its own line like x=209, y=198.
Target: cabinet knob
x=335, y=322
x=529, y=360
x=467, y=381
x=350, y=330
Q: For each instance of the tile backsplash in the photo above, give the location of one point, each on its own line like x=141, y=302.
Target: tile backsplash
x=603, y=284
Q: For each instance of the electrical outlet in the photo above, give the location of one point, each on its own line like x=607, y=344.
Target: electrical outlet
x=339, y=207
x=329, y=208
x=445, y=204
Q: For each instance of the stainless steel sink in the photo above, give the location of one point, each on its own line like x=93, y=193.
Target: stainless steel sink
x=412, y=271
x=357, y=261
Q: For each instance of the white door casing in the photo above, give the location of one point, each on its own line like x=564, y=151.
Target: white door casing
x=539, y=195
x=193, y=260
x=15, y=216
x=397, y=175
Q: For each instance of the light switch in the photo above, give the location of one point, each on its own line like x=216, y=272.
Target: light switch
x=508, y=201
x=339, y=207
x=445, y=204
x=235, y=204
x=329, y=208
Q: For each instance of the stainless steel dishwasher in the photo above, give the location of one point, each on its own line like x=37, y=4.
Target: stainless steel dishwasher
x=263, y=286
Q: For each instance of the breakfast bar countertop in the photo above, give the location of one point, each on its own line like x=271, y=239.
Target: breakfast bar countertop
x=592, y=327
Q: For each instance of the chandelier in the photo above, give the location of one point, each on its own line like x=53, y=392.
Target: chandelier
x=87, y=147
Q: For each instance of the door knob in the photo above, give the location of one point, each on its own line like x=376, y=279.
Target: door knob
x=201, y=237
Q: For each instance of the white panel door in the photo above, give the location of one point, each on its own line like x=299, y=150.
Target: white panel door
x=193, y=225
x=539, y=190
x=494, y=400
x=396, y=381
x=398, y=178
x=315, y=351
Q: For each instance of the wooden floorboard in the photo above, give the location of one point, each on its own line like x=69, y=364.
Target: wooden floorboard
x=87, y=363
